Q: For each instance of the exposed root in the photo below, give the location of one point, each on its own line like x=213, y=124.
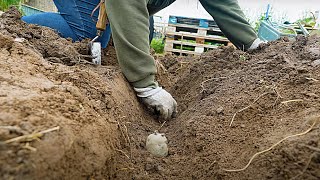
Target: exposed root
x=235, y=114
x=162, y=125
x=273, y=146
x=312, y=79
x=160, y=66
x=86, y=56
x=306, y=167
x=31, y=137
x=123, y=153
x=278, y=96
x=27, y=146
x=124, y=132
x=125, y=169
x=181, y=65
x=11, y=128
x=127, y=133
x=290, y=101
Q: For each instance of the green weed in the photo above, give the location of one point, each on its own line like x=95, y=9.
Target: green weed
x=5, y=4
x=157, y=45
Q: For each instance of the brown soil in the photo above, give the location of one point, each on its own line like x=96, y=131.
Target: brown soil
x=46, y=81
x=90, y=104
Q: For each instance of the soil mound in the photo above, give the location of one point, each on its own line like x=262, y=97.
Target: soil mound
x=232, y=105
x=38, y=91
x=267, y=95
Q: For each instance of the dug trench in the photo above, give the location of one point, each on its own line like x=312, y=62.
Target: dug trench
x=233, y=106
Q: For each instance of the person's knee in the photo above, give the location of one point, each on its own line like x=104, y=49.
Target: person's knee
x=52, y=20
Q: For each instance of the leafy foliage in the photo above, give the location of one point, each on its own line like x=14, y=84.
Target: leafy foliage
x=157, y=45
x=308, y=21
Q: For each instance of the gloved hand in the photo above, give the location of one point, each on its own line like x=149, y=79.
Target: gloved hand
x=256, y=44
x=158, y=100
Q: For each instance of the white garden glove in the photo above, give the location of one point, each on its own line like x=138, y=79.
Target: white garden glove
x=158, y=100
x=256, y=44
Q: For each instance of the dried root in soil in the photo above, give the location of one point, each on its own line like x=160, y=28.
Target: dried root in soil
x=272, y=147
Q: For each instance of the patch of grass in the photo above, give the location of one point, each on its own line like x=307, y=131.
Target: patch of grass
x=157, y=45
x=5, y=4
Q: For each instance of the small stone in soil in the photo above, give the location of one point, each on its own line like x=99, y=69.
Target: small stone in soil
x=220, y=110
x=149, y=167
x=159, y=168
x=316, y=63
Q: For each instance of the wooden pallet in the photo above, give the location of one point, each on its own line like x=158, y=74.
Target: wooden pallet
x=192, y=37
x=195, y=48
x=196, y=37
x=183, y=52
x=175, y=28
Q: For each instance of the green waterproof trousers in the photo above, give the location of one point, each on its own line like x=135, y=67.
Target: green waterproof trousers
x=129, y=20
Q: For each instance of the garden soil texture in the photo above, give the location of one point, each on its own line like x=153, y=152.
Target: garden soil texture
x=242, y=115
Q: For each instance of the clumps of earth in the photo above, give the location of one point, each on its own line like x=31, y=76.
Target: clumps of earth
x=242, y=115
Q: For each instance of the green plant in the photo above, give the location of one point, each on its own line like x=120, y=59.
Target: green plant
x=258, y=21
x=242, y=58
x=157, y=45
x=5, y=4
x=308, y=21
